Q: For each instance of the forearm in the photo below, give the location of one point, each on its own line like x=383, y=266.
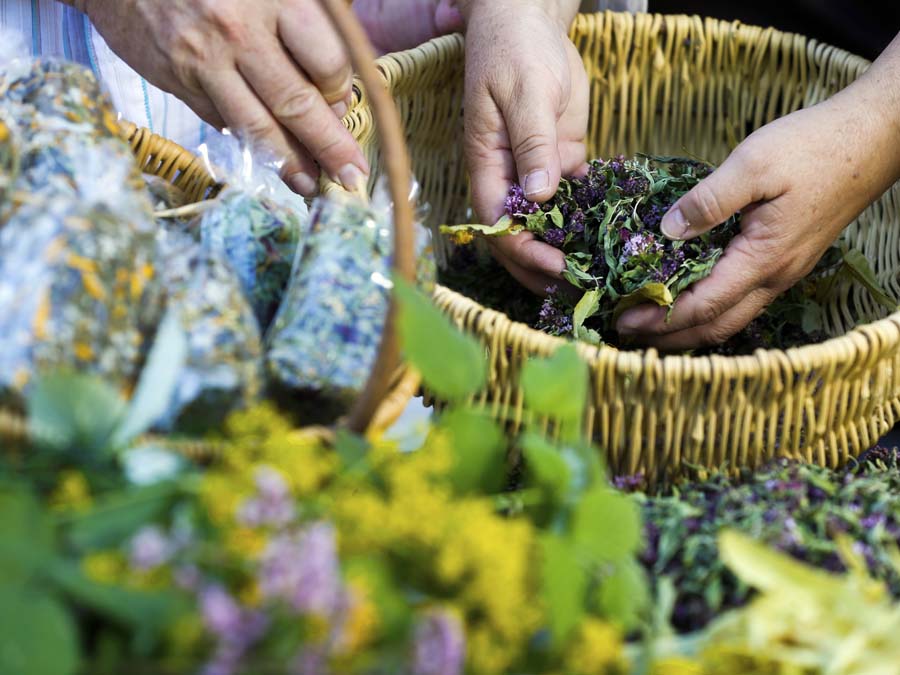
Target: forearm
x=563, y=10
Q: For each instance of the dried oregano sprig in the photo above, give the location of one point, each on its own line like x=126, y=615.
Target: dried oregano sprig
x=607, y=224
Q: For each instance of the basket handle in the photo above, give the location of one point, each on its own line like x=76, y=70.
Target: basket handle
x=397, y=165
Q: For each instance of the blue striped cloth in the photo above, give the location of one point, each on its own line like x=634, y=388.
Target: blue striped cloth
x=53, y=29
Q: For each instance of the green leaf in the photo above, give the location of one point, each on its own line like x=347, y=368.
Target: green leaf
x=624, y=595
x=117, y=517
x=26, y=540
x=70, y=411
x=504, y=226
x=479, y=452
x=536, y=222
x=37, y=635
x=451, y=363
x=394, y=609
x=547, y=466
x=159, y=378
x=556, y=216
x=652, y=292
x=564, y=584
x=861, y=271
x=812, y=319
x=146, y=610
x=585, y=309
x=606, y=526
x=557, y=386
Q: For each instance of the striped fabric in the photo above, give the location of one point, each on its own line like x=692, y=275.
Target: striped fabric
x=50, y=28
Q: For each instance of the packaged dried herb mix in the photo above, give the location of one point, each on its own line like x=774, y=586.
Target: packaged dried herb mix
x=223, y=366
x=76, y=237
x=326, y=334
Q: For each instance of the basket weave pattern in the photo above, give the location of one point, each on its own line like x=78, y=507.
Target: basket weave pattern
x=678, y=85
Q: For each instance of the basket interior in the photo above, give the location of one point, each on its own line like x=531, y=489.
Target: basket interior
x=661, y=85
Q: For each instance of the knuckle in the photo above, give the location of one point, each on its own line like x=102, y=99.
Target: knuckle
x=224, y=18
x=529, y=144
x=706, y=204
x=707, y=312
x=296, y=104
x=258, y=127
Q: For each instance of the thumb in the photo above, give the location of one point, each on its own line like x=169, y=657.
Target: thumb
x=712, y=201
x=533, y=139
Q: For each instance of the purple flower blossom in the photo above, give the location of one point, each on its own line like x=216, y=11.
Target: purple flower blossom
x=555, y=236
x=517, y=205
x=151, y=548
x=302, y=568
x=235, y=629
x=273, y=504
x=631, y=187
x=187, y=577
x=575, y=224
x=440, y=647
x=221, y=613
x=312, y=660
x=555, y=317
x=638, y=244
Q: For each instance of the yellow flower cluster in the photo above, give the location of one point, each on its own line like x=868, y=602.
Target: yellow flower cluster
x=596, y=648
x=459, y=547
x=72, y=492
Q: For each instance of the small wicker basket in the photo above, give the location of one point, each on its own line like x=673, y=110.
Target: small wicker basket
x=391, y=385
x=667, y=85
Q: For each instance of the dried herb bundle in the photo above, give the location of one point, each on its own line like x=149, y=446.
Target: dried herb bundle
x=607, y=224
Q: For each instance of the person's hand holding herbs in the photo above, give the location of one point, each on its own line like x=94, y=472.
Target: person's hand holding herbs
x=274, y=70
x=526, y=114
x=797, y=183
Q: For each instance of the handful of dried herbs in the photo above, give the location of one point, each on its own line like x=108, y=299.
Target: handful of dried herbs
x=607, y=224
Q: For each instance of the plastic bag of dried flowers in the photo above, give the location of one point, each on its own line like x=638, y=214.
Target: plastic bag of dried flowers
x=76, y=235
x=223, y=367
x=326, y=334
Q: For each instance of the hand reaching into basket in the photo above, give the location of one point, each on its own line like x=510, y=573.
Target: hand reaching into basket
x=797, y=182
x=275, y=71
x=526, y=117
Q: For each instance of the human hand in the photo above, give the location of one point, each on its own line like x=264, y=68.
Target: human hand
x=402, y=24
x=276, y=72
x=797, y=183
x=526, y=118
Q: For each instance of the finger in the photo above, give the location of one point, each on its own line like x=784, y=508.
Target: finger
x=310, y=38
x=536, y=282
x=733, y=277
x=727, y=190
x=448, y=17
x=204, y=109
x=718, y=331
x=532, y=129
x=489, y=159
x=531, y=254
x=244, y=112
x=300, y=108
x=572, y=158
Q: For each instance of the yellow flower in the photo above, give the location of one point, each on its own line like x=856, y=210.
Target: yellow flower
x=72, y=492
x=245, y=542
x=596, y=648
x=362, y=622
x=222, y=494
x=676, y=665
x=105, y=567
x=250, y=595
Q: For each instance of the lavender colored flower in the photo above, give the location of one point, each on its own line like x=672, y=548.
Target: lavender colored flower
x=555, y=236
x=234, y=628
x=187, y=577
x=440, y=647
x=638, y=244
x=151, y=548
x=312, y=660
x=302, y=568
x=221, y=613
x=633, y=186
x=272, y=505
x=555, y=317
x=575, y=224
x=517, y=205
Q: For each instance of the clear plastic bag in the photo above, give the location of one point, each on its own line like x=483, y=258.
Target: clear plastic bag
x=326, y=335
x=224, y=366
x=77, y=247
x=256, y=223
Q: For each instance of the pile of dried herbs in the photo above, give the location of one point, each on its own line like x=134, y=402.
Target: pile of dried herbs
x=799, y=509
x=607, y=224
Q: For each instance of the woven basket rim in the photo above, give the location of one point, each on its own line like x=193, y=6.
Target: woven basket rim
x=834, y=351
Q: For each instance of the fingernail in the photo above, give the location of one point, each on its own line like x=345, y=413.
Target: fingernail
x=352, y=178
x=303, y=183
x=536, y=182
x=674, y=225
x=340, y=108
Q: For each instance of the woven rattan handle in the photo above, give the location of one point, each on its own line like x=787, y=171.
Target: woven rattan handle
x=390, y=135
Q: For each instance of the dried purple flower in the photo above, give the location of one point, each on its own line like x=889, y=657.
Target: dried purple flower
x=555, y=316
x=302, y=567
x=439, y=645
x=273, y=504
x=555, y=236
x=517, y=205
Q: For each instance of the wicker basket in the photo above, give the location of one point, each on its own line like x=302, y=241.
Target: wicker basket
x=390, y=385
x=664, y=85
